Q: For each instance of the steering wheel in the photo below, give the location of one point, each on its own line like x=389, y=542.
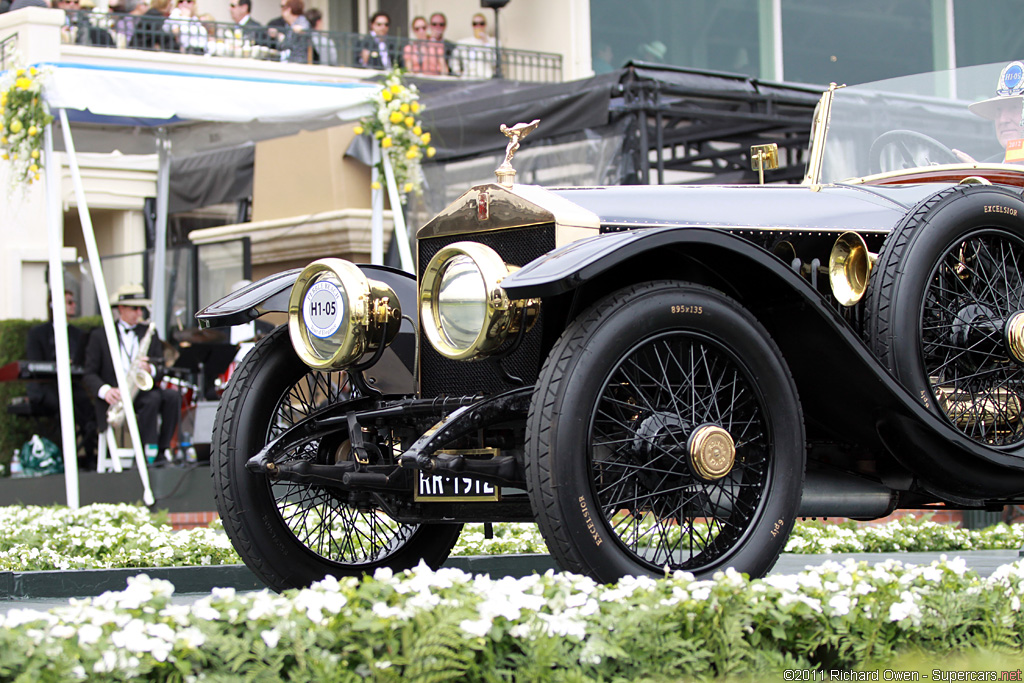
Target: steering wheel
x=902, y=149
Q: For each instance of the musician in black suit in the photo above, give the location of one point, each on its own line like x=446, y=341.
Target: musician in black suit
x=151, y=407
x=41, y=345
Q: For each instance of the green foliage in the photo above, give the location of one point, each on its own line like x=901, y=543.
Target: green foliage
x=447, y=626
x=16, y=430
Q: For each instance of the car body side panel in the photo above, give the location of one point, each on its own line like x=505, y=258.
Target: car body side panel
x=770, y=207
x=843, y=387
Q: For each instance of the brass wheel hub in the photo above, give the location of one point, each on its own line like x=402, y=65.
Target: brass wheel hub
x=1015, y=336
x=712, y=452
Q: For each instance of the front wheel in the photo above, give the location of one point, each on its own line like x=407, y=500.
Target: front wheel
x=665, y=433
x=293, y=534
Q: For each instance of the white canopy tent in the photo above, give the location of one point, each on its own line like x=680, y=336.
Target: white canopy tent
x=142, y=111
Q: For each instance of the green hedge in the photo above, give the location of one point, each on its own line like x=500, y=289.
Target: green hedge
x=15, y=429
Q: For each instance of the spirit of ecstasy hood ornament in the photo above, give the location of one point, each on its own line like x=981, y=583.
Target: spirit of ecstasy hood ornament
x=505, y=173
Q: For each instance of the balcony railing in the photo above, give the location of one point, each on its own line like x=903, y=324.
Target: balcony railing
x=146, y=32
x=7, y=47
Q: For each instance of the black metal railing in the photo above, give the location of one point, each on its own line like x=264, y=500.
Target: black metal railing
x=7, y=48
x=147, y=32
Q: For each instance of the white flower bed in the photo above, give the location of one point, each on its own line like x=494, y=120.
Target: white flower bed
x=448, y=625
x=103, y=536
x=906, y=534
x=120, y=536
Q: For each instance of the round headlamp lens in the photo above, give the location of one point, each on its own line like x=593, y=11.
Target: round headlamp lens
x=323, y=314
x=461, y=302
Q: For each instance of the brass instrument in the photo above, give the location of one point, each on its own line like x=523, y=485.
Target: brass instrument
x=137, y=379
x=849, y=268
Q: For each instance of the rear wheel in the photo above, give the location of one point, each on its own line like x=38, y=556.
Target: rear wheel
x=293, y=534
x=947, y=310
x=665, y=433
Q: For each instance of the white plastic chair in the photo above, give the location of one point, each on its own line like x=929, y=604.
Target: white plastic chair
x=109, y=456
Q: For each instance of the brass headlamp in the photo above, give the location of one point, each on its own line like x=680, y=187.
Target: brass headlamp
x=336, y=314
x=464, y=311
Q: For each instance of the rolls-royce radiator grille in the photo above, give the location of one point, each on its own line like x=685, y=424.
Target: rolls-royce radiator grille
x=440, y=375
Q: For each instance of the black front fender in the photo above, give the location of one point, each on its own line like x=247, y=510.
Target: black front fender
x=250, y=302
x=271, y=294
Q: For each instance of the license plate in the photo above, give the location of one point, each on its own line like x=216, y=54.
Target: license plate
x=436, y=488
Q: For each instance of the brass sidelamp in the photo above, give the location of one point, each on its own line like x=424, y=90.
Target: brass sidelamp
x=849, y=268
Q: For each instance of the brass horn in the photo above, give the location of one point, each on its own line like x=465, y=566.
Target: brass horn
x=849, y=268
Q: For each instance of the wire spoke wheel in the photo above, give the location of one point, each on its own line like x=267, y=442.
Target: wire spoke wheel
x=650, y=445
x=294, y=533
x=321, y=519
x=654, y=503
x=946, y=310
x=971, y=296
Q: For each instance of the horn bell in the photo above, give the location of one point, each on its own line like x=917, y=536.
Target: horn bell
x=849, y=268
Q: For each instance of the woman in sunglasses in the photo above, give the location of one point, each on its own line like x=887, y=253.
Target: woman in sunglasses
x=476, y=54
x=374, y=51
x=424, y=55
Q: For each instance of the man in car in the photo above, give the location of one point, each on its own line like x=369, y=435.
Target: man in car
x=1005, y=112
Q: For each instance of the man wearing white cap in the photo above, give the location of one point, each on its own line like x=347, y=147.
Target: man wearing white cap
x=1005, y=112
x=101, y=382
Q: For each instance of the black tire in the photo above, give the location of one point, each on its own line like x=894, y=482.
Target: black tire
x=902, y=149
x=947, y=280
x=610, y=477
x=292, y=534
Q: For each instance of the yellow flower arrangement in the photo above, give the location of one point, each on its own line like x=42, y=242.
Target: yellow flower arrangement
x=22, y=120
x=400, y=134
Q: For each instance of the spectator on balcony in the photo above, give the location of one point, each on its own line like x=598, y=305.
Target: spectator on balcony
x=19, y=4
x=124, y=27
x=253, y=32
x=423, y=55
x=438, y=23
x=214, y=44
x=183, y=22
x=476, y=54
x=76, y=23
x=324, y=49
x=295, y=46
x=372, y=51
x=149, y=29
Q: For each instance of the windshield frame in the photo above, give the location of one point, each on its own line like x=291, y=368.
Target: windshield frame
x=928, y=95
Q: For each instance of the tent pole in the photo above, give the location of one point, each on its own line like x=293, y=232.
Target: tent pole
x=398, y=215
x=163, y=192
x=105, y=313
x=55, y=239
x=376, y=211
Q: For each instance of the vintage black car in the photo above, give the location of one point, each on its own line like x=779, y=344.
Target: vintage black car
x=662, y=378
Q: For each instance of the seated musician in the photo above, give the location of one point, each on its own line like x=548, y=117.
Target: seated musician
x=41, y=346
x=157, y=409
